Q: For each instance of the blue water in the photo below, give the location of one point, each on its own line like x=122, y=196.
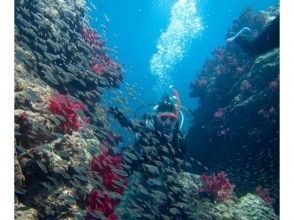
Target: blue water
x=134, y=27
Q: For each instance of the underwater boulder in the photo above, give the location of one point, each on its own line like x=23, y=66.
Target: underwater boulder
x=247, y=207
x=25, y=213
x=253, y=207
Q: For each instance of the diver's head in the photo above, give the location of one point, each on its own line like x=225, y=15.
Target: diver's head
x=166, y=114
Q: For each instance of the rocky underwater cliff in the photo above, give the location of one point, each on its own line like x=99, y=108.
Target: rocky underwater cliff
x=62, y=68
x=236, y=128
x=63, y=138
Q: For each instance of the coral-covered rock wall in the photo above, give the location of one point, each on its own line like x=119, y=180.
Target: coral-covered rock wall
x=236, y=128
x=58, y=126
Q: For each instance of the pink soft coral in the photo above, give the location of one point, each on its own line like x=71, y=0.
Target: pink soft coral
x=92, y=37
x=217, y=186
x=219, y=114
x=64, y=106
x=103, y=65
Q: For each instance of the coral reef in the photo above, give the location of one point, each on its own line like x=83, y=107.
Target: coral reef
x=101, y=64
x=217, y=186
x=236, y=127
x=109, y=168
x=65, y=107
x=24, y=213
x=66, y=164
x=58, y=126
x=252, y=207
x=246, y=207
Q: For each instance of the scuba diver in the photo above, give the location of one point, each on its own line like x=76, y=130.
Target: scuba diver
x=267, y=40
x=158, y=151
x=160, y=130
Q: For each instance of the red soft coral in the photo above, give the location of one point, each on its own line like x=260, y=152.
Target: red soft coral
x=104, y=165
x=100, y=202
x=217, y=186
x=64, y=106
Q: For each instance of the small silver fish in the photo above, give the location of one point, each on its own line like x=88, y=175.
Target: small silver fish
x=131, y=156
x=80, y=215
x=25, y=11
x=174, y=211
x=115, y=195
x=42, y=167
x=55, y=46
x=20, y=191
x=51, y=78
x=38, y=17
x=53, y=180
x=46, y=67
x=71, y=14
x=48, y=186
x=154, y=182
x=82, y=177
x=21, y=149
x=45, y=147
x=31, y=32
x=120, y=172
x=52, y=57
x=23, y=21
x=32, y=96
x=98, y=215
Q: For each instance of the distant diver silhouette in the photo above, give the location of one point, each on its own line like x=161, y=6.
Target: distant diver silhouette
x=267, y=40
